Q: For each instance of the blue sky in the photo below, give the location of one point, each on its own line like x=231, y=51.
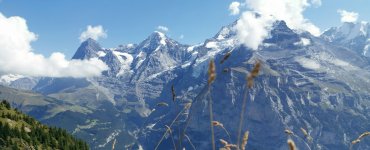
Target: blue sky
x=59, y=24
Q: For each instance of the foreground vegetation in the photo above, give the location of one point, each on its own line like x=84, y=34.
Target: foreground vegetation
x=20, y=131
x=243, y=134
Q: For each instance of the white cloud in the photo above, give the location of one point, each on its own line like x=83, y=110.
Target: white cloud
x=162, y=28
x=17, y=56
x=316, y=3
x=347, y=16
x=252, y=30
x=93, y=32
x=289, y=11
x=234, y=8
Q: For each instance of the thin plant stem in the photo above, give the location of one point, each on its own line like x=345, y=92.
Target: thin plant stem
x=173, y=121
x=211, y=117
x=226, y=133
x=191, y=143
x=204, y=90
x=242, y=116
x=173, y=141
x=114, y=143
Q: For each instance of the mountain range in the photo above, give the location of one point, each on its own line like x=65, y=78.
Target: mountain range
x=320, y=84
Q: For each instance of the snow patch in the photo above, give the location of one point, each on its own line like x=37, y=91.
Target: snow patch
x=151, y=77
x=212, y=45
x=101, y=53
x=150, y=126
x=303, y=42
x=308, y=63
x=163, y=38
x=110, y=137
x=140, y=58
x=190, y=49
x=126, y=60
x=367, y=48
x=130, y=45
x=7, y=79
x=142, y=110
x=186, y=65
x=334, y=61
x=224, y=32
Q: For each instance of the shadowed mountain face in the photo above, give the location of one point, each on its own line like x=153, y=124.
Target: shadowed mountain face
x=305, y=82
x=87, y=50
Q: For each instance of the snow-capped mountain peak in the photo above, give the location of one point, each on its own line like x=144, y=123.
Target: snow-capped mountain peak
x=354, y=36
x=347, y=31
x=157, y=38
x=162, y=37
x=88, y=49
x=305, y=81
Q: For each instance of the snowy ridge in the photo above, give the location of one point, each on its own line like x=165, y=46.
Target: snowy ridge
x=305, y=81
x=354, y=36
x=8, y=79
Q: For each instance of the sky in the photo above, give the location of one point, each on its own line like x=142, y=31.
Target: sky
x=60, y=26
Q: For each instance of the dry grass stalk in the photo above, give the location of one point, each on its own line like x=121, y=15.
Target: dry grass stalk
x=211, y=71
x=173, y=121
x=250, y=78
x=219, y=124
x=358, y=140
x=227, y=146
x=173, y=93
x=162, y=104
x=306, y=135
x=191, y=143
x=253, y=74
x=289, y=132
x=223, y=142
x=363, y=135
x=187, y=106
x=227, y=55
x=291, y=145
x=114, y=143
x=245, y=140
x=211, y=78
x=170, y=131
x=216, y=123
x=231, y=146
x=304, y=131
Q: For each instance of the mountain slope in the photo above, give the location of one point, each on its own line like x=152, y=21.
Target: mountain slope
x=309, y=86
x=88, y=49
x=20, y=131
x=355, y=36
x=305, y=81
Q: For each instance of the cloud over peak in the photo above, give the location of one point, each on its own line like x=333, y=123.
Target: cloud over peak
x=252, y=29
x=234, y=8
x=163, y=28
x=93, y=32
x=347, y=16
x=17, y=57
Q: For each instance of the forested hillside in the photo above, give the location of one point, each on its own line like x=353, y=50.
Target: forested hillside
x=20, y=131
